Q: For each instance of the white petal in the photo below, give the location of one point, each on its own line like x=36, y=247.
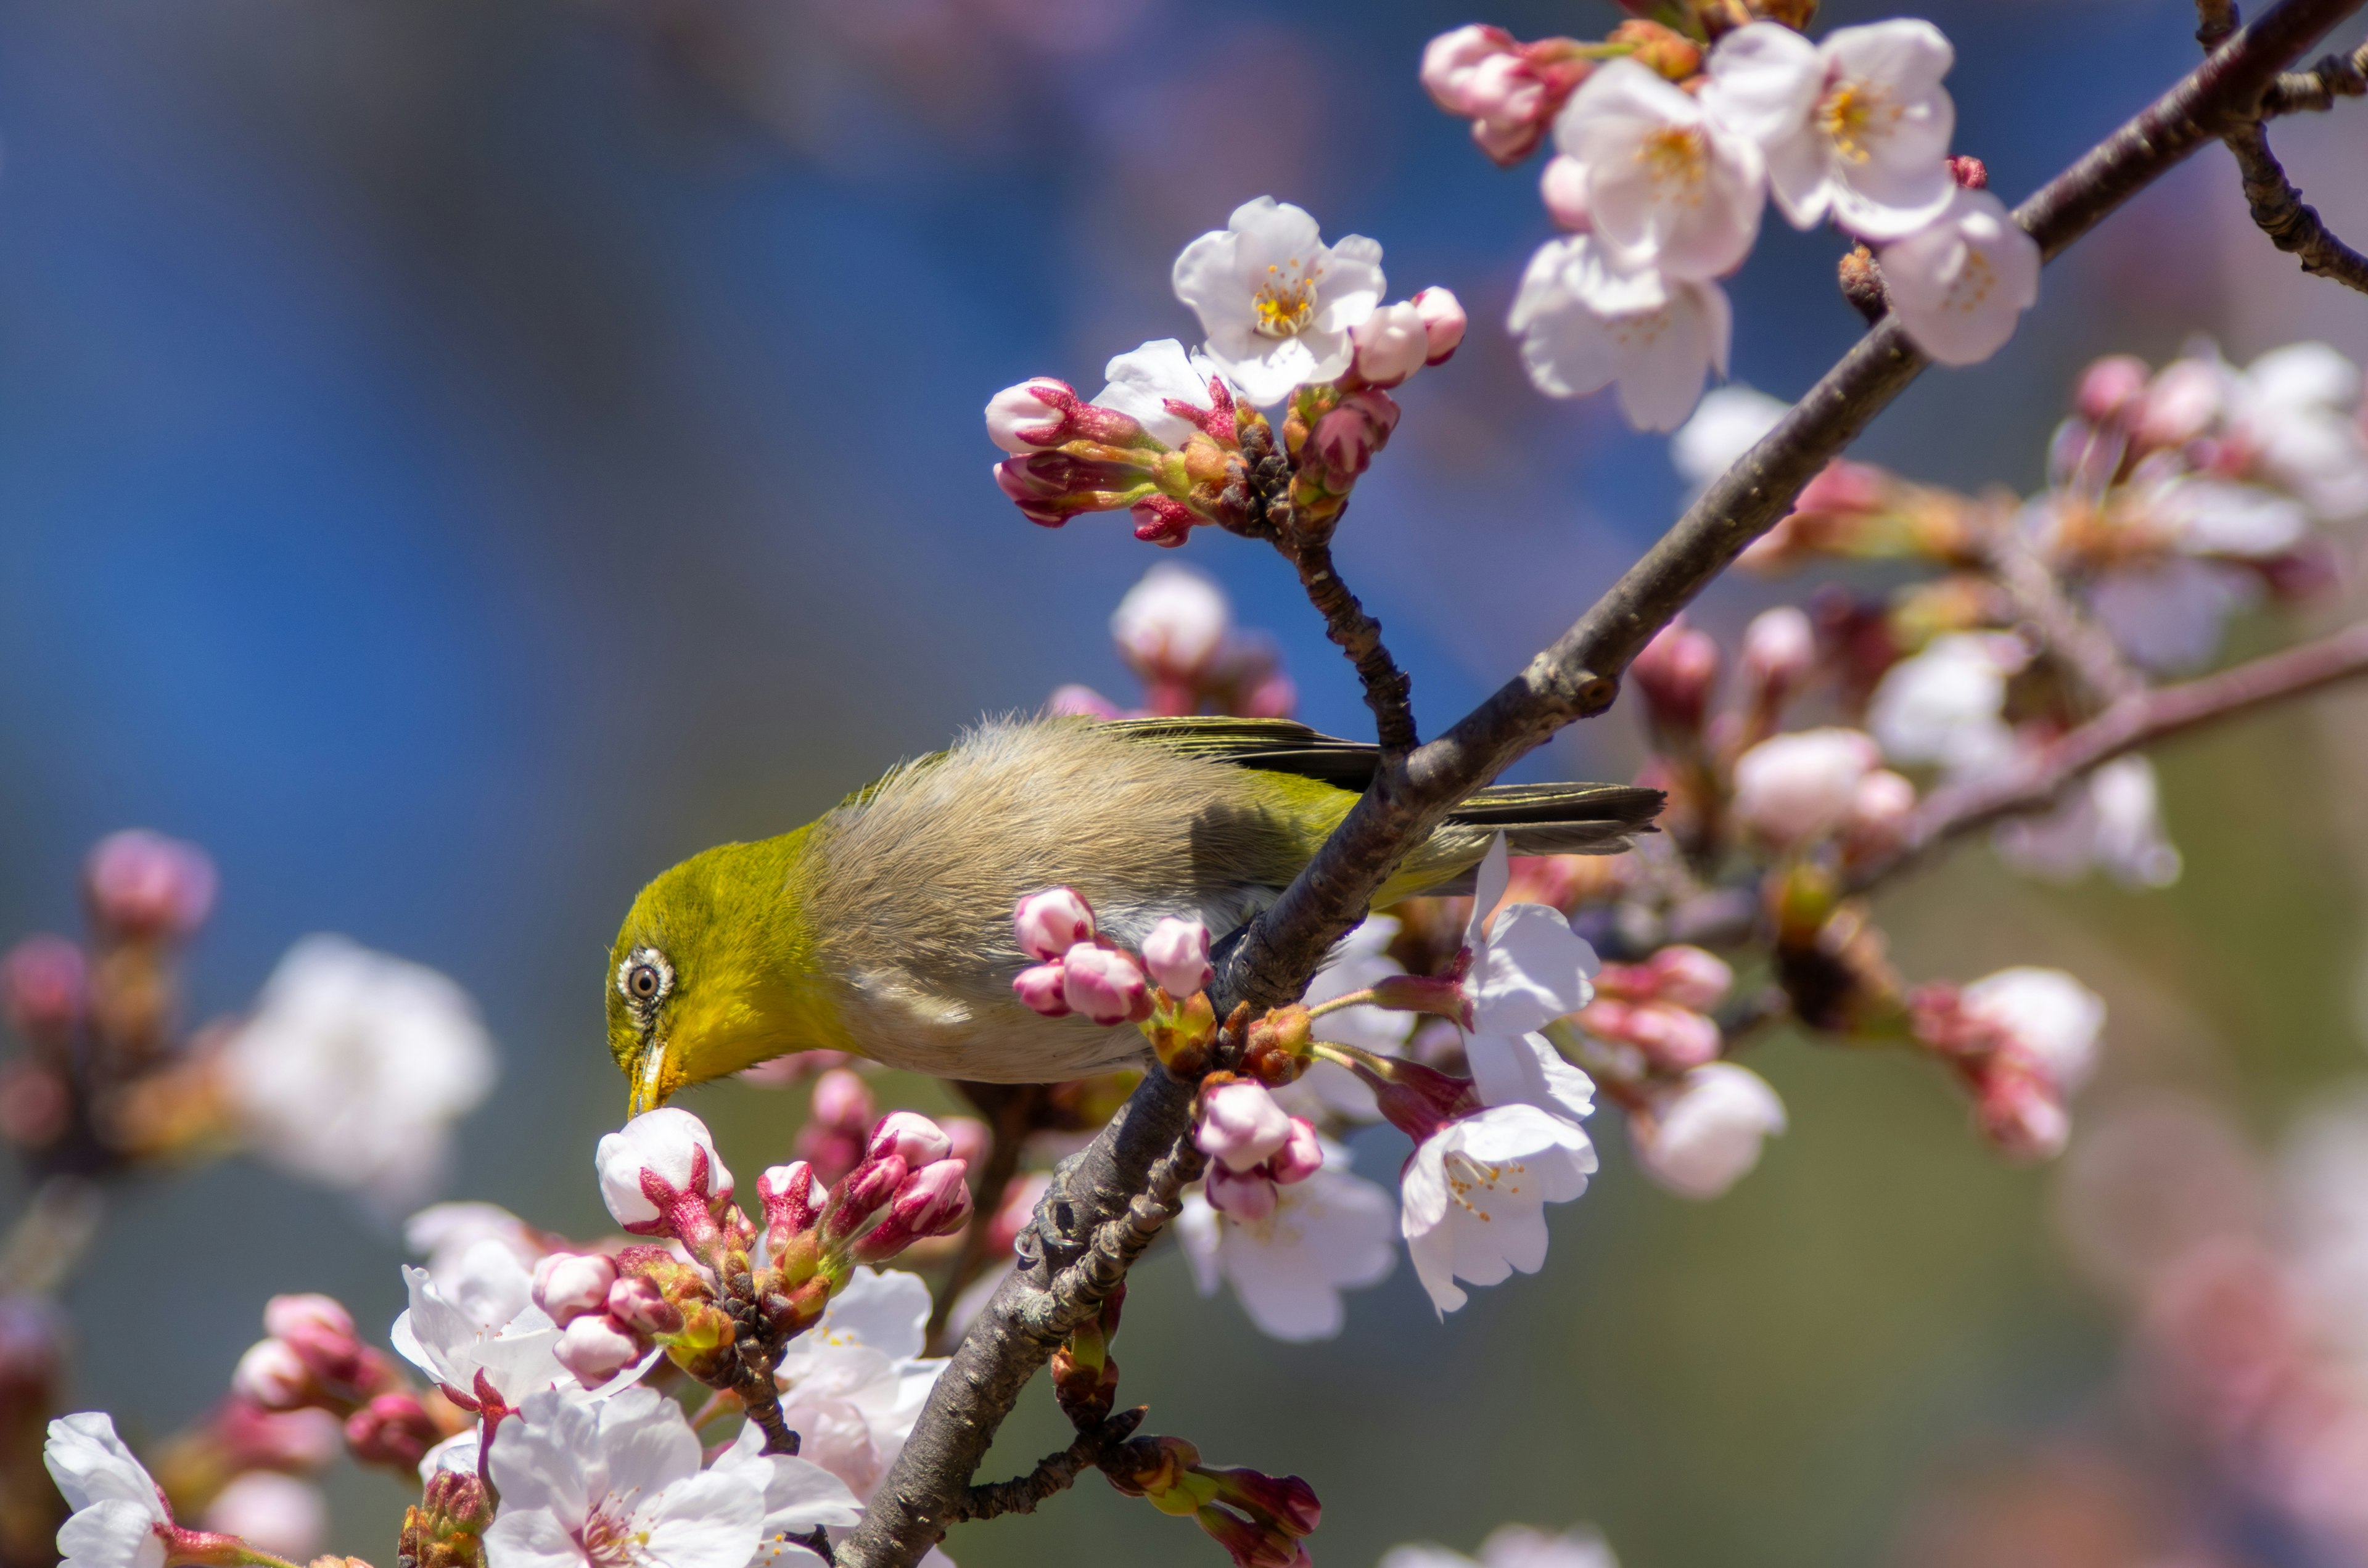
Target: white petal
x=1198, y=1233
x=530, y=1538
x=1764, y=81
x=1961, y=284
x=705, y=1521
x=90, y=1464
x=1488, y=884
x=1534, y=969
x=111, y=1534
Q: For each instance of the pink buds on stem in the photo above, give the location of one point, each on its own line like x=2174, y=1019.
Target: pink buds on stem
x=568, y=1284
x=142, y=886
x=1177, y=954
x=661, y=1177
x=1049, y=923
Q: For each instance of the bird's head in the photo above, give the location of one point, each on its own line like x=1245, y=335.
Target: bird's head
x=711, y=971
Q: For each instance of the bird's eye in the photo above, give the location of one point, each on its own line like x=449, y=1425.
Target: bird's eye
x=644, y=978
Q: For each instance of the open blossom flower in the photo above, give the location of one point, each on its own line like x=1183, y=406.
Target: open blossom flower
x=1359, y=961
x=2297, y=410
x=1793, y=786
x=481, y=1319
x=2111, y=821
x=853, y=1385
x=1278, y=303
x=120, y=1518
x=1945, y=706
x=354, y=1067
x=1667, y=186
x=1701, y=1135
x=1855, y=126
x=445, y=1233
x=603, y=1484
x=1960, y=283
x=2046, y=1015
x=1585, y=325
x=1528, y=966
x=1475, y=1196
x=1145, y=381
x=799, y=1495
x=2172, y=613
x=1511, y=1546
x=1331, y=1233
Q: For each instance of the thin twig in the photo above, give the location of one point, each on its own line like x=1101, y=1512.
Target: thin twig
x=2293, y=224
x=1575, y=678
x=2315, y=90
x=1054, y=1474
x=1388, y=692
x=2079, y=645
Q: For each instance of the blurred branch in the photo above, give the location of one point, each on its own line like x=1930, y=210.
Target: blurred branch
x=1107, y=1202
x=47, y=1242
x=2293, y=224
x=2079, y=644
x=2315, y=90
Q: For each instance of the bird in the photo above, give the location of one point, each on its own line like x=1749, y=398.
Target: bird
x=883, y=928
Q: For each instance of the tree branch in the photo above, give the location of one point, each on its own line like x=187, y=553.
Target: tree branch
x=2315, y=90
x=1098, y=1190
x=2293, y=224
x=1387, y=691
x=1054, y=1474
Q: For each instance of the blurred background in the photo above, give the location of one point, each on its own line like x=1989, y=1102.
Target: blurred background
x=458, y=459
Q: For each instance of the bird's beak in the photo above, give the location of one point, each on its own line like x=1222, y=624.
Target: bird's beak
x=653, y=1083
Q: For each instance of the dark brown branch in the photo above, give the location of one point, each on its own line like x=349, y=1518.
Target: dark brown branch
x=1099, y=1189
x=2293, y=224
x=1054, y=1474
x=2315, y=90
x=1358, y=635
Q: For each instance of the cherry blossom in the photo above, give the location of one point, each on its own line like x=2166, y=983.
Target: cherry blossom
x=2049, y=1017
x=1177, y=954
x=2170, y=613
x=1143, y=381
x=1960, y=283
x=1585, y=325
x=1475, y=1196
x=274, y=1513
x=1277, y=302
x=1527, y=965
x=1511, y=1546
x=853, y=1385
x=2111, y=821
x=1667, y=186
x=1855, y=127
x=478, y=1320
x=354, y=1068
x=1359, y=961
x=1331, y=1233
x=1945, y=706
x=1794, y=787
x=799, y=1495
x=120, y=1518
x=2297, y=411
x=603, y=1484
x=1701, y=1134
x=656, y=1167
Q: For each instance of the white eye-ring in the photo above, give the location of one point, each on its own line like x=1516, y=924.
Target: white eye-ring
x=644, y=978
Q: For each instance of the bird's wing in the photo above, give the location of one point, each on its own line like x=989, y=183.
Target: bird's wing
x=1271, y=746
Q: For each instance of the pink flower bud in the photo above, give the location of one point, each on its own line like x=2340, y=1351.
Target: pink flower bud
x=272, y=1376
x=1676, y=672
x=1689, y=977
x=596, y=1348
x=1391, y=343
x=1563, y=186
x=642, y=1307
x=787, y=1193
x=1778, y=646
x=1242, y=1125
x=1300, y=1156
x=1049, y=923
x=43, y=985
x=1043, y=989
x=1272, y=697
x=392, y=1429
x=307, y=1316
x=1031, y=415
x=2109, y=387
x=660, y=1176
x=1177, y=954
x=1290, y=1501
x=1442, y=323
x=1793, y=786
x=1676, y=1038
x=910, y=1136
x=569, y=1284
x=1506, y=93
x=1249, y=1198
x=2021, y=1112
x=1011, y=1216
x=144, y=885
x=1163, y=520
x=1880, y=810
x=1971, y=174
x=1170, y=627
x=934, y=1201
x=1105, y=987
x=1451, y=60
x=841, y=1099
x=1348, y=435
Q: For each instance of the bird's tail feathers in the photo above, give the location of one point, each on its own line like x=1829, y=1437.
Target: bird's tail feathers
x=1536, y=819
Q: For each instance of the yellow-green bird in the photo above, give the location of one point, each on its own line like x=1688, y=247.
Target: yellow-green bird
x=884, y=928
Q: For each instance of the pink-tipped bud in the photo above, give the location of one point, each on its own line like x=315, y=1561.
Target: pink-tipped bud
x=1443, y=323
x=1689, y=977
x=1563, y=187
x=1778, y=646
x=1880, y=810
x=1249, y=1198
x=640, y=1306
x=787, y=1193
x=307, y=1317
x=569, y=1284
x=43, y=984
x=934, y=1201
x=2021, y=1112
x=1300, y=1156
x=1971, y=174
x=272, y=1376
x=596, y=1348
x=1031, y=415
x=1391, y=343
x=1349, y=434
x=868, y=1188
x=392, y=1429
x=1105, y=987
x=661, y=1177
x=841, y=1100
x=910, y=1136
x=1451, y=60
x=1163, y=520
x=1177, y=954
x=146, y=886
x=2110, y=387
x=1242, y=1125
x=1049, y=923
x=1288, y=1500
x=1676, y=672
x=1043, y=989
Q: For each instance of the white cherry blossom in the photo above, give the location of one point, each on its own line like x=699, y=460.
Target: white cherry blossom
x=274, y=1513
x=480, y=1317
x=1172, y=624
x=1143, y=381
x=1667, y=186
x=354, y=1067
x=1795, y=785
x=2298, y=409
x=2169, y=614
x=604, y=1484
x=119, y=1519
x=1475, y=1195
x=1277, y=302
x=1528, y=966
x=800, y=1496
x=1331, y=1233
x=2220, y=516
x=1586, y=324
x=443, y=1234
x=853, y=1385
x=1527, y=1069
x=2048, y=1014
x=1702, y=1134
x=1359, y=961
x=1960, y=283
x=1945, y=705
x=1854, y=127
x=2109, y=821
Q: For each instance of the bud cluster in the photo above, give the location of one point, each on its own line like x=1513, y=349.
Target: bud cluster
x=1082, y=970
x=1259, y=1519
x=313, y=1360
x=1254, y=1145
